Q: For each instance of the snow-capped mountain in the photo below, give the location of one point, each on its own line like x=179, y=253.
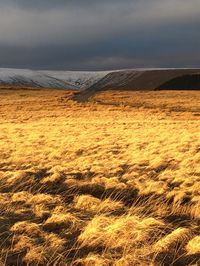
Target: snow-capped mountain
x=24, y=77
x=79, y=79
x=50, y=79
x=129, y=79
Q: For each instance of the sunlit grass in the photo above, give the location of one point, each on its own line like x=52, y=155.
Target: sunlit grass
x=114, y=181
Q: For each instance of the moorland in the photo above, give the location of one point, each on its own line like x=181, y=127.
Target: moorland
x=114, y=180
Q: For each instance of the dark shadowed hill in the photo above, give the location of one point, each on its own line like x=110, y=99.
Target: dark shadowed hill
x=169, y=79
x=185, y=82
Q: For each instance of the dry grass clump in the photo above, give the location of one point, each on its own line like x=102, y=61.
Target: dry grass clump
x=54, y=242
x=19, y=181
x=133, y=259
x=90, y=203
x=17, y=177
x=125, y=232
x=22, y=196
x=193, y=245
x=114, y=181
x=170, y=241
x=54, y=178
x=60, y=221
x=23, y=242
x=26, y=228
x=36, y=256
x=87, y=202
x=44, y=199
x=94, y=231
x=93, y=260
x=41, y=211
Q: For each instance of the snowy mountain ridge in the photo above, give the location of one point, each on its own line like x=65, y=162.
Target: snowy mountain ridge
x=81, y=80
x=50, y=79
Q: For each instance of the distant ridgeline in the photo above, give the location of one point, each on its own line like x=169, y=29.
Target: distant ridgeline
x=75, y=80
x=184, y=82
x=169, y=79
x=91, y=82
x=145, y=79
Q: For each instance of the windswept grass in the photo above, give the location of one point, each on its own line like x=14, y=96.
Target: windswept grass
x=115, y=181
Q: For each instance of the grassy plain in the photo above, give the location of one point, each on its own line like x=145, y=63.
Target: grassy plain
x=113, y=181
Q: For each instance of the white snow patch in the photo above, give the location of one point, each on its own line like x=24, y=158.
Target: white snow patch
x=80, y=79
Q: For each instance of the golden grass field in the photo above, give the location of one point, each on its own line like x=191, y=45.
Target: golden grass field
x=113, y=181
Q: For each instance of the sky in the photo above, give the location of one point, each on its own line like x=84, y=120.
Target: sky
x=99, y=34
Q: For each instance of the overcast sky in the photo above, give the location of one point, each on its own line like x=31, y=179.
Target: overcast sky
x=99, y=34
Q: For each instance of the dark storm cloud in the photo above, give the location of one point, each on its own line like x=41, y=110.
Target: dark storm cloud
x=48, y=4
x=89, y=34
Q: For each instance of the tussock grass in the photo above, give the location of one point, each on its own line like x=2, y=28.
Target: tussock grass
x=193, y=246
x=127, y=232
x=93, y=204
x=26, y=228
x=114, y=181
x=59, y=221
x=178, y=236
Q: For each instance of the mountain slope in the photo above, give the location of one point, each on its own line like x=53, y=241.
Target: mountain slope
x=141, y=79
x=50, y=79
x=145, y=79
x=80, y=79
x=24, y=77
x=91, y=82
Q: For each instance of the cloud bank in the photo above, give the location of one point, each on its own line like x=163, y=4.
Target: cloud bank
x=106, y=34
